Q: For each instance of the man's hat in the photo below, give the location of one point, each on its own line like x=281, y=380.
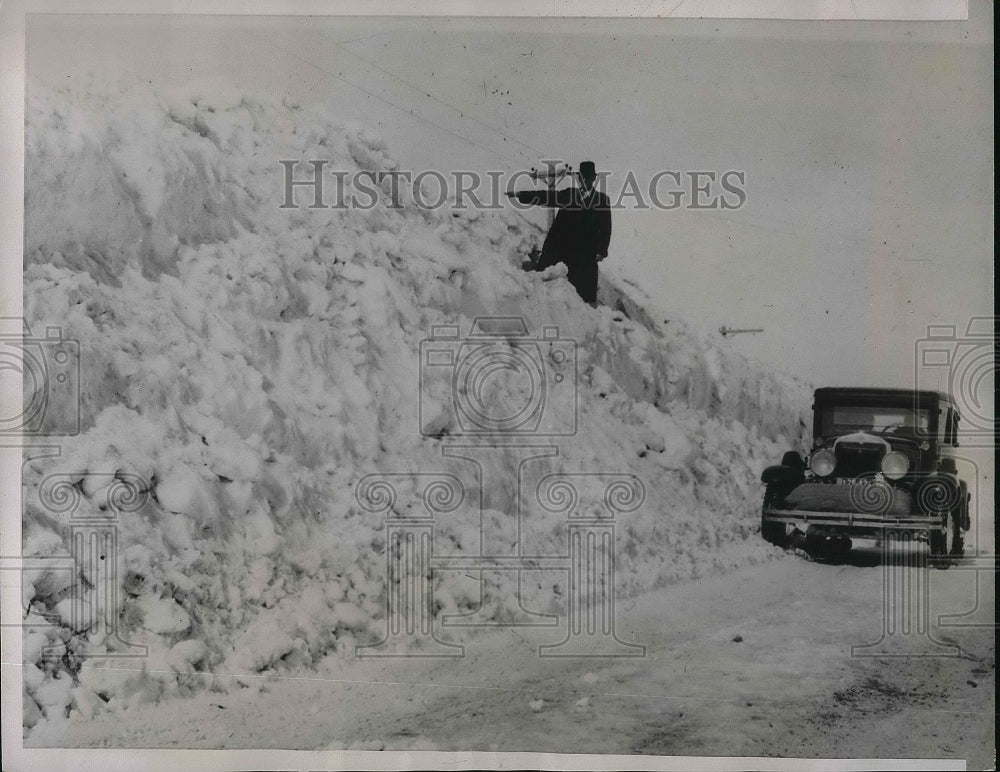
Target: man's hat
x=587, y=170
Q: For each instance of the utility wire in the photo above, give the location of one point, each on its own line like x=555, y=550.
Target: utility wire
x=461, y=113
x=514, y=162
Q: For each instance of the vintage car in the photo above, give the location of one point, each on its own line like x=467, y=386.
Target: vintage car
x=880, y=463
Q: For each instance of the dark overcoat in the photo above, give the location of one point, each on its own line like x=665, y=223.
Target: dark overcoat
x=579, y=235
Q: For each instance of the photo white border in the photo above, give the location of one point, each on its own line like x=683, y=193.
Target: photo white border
x=12, y=95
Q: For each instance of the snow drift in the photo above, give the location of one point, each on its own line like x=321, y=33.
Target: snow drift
x=251, y=364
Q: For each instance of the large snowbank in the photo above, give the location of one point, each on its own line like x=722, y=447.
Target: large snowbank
x=251, y=364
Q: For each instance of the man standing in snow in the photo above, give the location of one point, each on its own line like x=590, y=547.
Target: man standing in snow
x=581, y=232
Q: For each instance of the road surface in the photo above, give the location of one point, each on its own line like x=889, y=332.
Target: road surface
x=755, y=662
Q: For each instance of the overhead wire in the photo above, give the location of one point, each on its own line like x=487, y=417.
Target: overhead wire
x=408, y=111
x=462, y=113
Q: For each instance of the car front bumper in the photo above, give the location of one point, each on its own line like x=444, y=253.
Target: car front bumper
x=857, y=524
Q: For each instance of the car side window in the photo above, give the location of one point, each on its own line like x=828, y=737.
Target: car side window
x=950, y=427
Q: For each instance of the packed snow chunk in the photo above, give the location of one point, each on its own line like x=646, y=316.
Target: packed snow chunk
x=32, y=712
x=261, y=535
x=33, y=677
x=237, y=497
x=263, y=645
x=163, y=615
x=54, y=695
x=666, y=437
x=176, y=531
x=43, y=583
x=180, y=581
x=350, y=616
x=74, y=613
x=181, y=491
x=653, y=440
x=34, y=641
x=184, y=655
x=231, y=457
x=600, y=381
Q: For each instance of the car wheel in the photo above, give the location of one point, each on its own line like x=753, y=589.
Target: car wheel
x=774, y=533
x=821, y=547
x=841, y=546
x=949, y=544
x=955, y=539
x=815, y=544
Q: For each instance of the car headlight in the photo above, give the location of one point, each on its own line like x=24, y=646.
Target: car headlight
x=895, y=465
x=822, y=463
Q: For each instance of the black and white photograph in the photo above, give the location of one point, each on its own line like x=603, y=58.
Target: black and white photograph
x=543, y=387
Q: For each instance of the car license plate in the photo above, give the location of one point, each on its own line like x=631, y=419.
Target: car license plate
x=878, y=479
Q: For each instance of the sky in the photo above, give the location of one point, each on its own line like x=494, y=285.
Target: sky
x=866, y=149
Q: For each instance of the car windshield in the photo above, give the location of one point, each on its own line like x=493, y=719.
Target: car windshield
x=844, y=419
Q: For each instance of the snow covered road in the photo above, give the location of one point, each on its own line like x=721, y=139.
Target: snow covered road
x=756, y=662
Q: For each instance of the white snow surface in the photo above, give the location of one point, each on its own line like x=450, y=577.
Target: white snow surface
x=251, y=364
